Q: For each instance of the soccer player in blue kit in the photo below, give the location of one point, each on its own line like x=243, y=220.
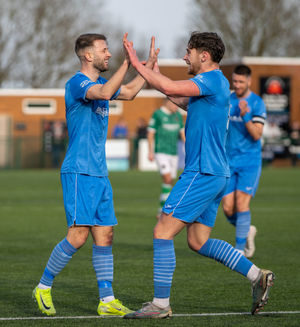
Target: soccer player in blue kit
x=194, y=200
x=87, y=191
x=247, y=117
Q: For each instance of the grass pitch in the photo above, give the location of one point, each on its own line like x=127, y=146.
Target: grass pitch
x=32, y=222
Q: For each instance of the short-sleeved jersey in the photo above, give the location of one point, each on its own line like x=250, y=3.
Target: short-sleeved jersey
x=206, y=125
x=87, y=122
x=240, y=143
x=166, y=126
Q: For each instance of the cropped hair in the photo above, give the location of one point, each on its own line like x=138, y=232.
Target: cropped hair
x=242, y=70
x=210, y=42
x=87, y=40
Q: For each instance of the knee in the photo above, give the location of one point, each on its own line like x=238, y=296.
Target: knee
x=228, y=209
x=160, y=231
x=195, y=245
x=167, y=179
x=78, y=239
x=242, y=206
x=108, y=238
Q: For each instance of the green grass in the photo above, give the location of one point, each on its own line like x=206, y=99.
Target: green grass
x=32, y=222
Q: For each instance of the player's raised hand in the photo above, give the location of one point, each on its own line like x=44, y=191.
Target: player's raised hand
x=153, y=53
x=131, y=52
x=243, y=105
x=156, y=67
x=126, y=53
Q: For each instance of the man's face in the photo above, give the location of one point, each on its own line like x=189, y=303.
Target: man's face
x=101, y=55
x=193, y=60
x=241, y=84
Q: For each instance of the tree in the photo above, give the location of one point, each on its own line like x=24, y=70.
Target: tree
x=251, y=27
x=37, y=40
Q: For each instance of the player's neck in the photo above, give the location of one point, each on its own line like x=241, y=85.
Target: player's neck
x=91, y=73
x=208, y=66
x=245, y=95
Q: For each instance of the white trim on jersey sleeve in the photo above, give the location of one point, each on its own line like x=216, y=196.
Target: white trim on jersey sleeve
x=258, y=119
x=151, y=129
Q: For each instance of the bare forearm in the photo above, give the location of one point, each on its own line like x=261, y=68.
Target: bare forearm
x=255, y=130
x=159, y=81
x=131, y=89
x=150, y=138
x=107, y=90
x=181, y=102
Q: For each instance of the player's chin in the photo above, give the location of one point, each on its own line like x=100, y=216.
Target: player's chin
x=239, y=93
x=104, y=68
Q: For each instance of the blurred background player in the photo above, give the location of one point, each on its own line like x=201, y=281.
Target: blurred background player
x=164, y=130
x=120, y=130
x=87, y=192
x=247, y=118
x=140, y=133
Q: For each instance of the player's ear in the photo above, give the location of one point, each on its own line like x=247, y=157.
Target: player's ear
x=249, y=81
x=88, y=55
x=205, y=56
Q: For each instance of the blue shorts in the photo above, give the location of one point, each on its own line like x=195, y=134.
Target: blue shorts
x=244, y=178
x=196, y=198
x=88, y=200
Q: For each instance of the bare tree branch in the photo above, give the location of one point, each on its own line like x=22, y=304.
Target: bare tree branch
x=37, y=39
x=251, y=27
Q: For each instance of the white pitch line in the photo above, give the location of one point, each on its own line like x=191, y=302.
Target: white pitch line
x=174, y=315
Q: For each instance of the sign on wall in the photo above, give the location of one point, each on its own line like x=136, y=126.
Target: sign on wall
x=275, y=91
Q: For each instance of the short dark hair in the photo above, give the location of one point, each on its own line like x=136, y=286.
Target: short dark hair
x=87, y=40
x=210, y=42
x=242, y=70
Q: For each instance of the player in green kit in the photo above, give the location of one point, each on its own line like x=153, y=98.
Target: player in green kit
x=164, y=130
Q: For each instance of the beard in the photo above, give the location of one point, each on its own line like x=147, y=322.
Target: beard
x=241, y=93
x=190, y=70
x=101, y=66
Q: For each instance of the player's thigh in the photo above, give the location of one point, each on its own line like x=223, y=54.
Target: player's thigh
x=173, y=166
x=102, y=235
x=232, y=182
x=84, y=196
x=248, y=179
x=163, y=163
x=243, y=201
x=105, y=212
x=192, y=195
x=167, y=227
x=208, y=217
x=228, y=203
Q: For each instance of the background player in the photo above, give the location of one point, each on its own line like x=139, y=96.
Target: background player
x=165, y=127
x=247, y=117
x=194, y=200
x=86, y=188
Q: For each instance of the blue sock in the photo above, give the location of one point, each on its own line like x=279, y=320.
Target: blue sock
x=104, y=267
x=243, y=220
x=164, y=263
x=232, y=219
x=60, y=256
x=225, y=253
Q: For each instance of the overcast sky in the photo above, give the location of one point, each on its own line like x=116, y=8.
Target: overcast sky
x=167, y=20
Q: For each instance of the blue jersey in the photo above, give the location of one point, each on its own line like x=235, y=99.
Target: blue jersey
x=87, y=122
x=240, y=144
x=206, y=125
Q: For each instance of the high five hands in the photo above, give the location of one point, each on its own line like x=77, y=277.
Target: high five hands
x=134, y=60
